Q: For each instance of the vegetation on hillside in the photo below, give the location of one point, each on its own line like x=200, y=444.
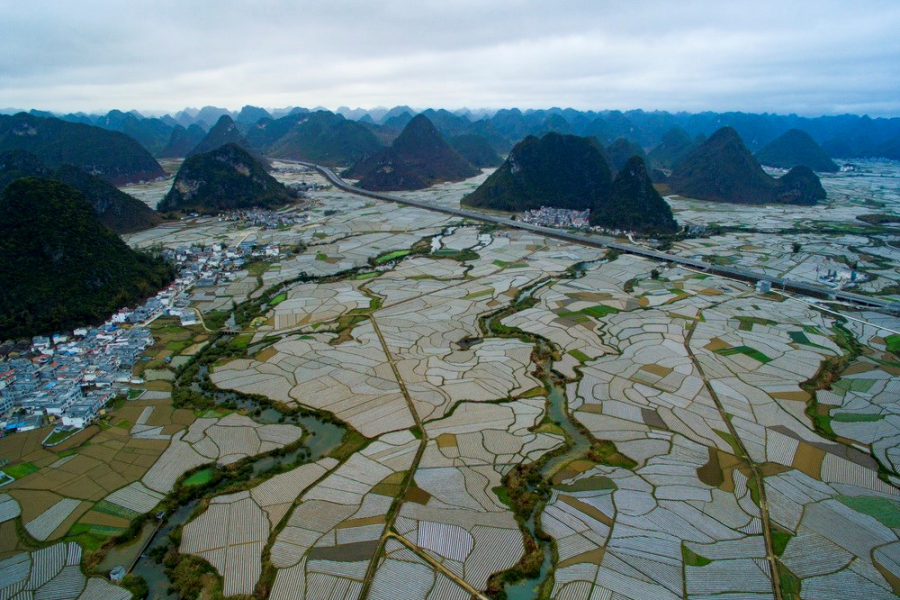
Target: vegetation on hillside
x=795, y=148
x=721, y=169
x=108, y=154
x=226, y=178
x=117, y=210
x=60, y=268
x=563, y=171
x=418, y=158
x=634, y=204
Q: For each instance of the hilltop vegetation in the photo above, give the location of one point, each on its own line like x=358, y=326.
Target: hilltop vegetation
x=61, y=268
x=794, y=148
x=117, y=210
x=108, y=154
x=634, y=204
x=418, y=158
x=721, y=169
x=226, y=178
x=563, y=171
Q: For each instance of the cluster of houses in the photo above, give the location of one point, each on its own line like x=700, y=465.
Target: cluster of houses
x=547, y=216
x=69, y=378
x=266, y=219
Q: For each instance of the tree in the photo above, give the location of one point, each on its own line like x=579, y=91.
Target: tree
x=796, y=247
x=654, y=274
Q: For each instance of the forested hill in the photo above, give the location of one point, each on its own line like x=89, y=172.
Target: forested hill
x=61, y=268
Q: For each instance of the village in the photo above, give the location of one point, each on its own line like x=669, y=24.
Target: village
x=68, y=378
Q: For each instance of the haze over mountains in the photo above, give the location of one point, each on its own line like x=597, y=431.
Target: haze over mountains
x=841, y=136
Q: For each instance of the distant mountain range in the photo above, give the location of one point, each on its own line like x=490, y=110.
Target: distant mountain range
x=841, y=136
x=225, y=178
x=722, y=169
x=58, y=277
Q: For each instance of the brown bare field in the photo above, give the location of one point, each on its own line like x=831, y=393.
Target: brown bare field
x=446, y=440
x=799, y=396
x=594, y=557
x=25, y=447
x=94, y=517
x=33, y=502
x=158, y=386
x=657, y=370
x=808, y=460
x=76, y=440
x=266, y=354
x=717, y=344
x=9, y=539
x=183, y=417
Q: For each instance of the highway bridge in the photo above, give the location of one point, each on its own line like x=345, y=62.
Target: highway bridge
x=598, y=241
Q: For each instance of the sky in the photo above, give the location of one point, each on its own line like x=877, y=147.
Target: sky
x=791, y=56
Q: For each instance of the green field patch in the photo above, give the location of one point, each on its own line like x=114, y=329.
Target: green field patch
x=799, y=337
x=92, y=537
x=503, y=495
x=692, y=559
x=746, y=351
x=575, y=316
x=201, y=477
x=579, y=355
x=321, y=256
x=58, y=436
x=780, y=541
x=242, y=341
x=278, y=299
x=391, y=256
x=599, y=311
x=883, y=510
x=21, y=470
x=176, y=346
x=500, y=263
x=115, y=510
x=589, y=484
x=893, y=343
x=747, y=323
x=478, y=294
x=368, y=275
x=855, y=417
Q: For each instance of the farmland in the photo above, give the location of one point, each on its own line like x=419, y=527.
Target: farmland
x=707, y=441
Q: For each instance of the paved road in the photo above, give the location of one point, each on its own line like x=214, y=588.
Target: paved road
x=599, y=241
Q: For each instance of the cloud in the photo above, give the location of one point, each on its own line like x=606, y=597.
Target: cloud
x=803, y=56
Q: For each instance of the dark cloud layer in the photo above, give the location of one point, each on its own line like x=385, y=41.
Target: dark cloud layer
x=809, y=57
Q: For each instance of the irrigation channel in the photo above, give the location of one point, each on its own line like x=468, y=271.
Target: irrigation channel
x=320, y=439
x=529, y=589
x=576, y=447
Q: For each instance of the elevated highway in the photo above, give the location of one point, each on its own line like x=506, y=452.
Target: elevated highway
x=599, y=241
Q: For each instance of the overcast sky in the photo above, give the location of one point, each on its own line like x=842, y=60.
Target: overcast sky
x=809, y=57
